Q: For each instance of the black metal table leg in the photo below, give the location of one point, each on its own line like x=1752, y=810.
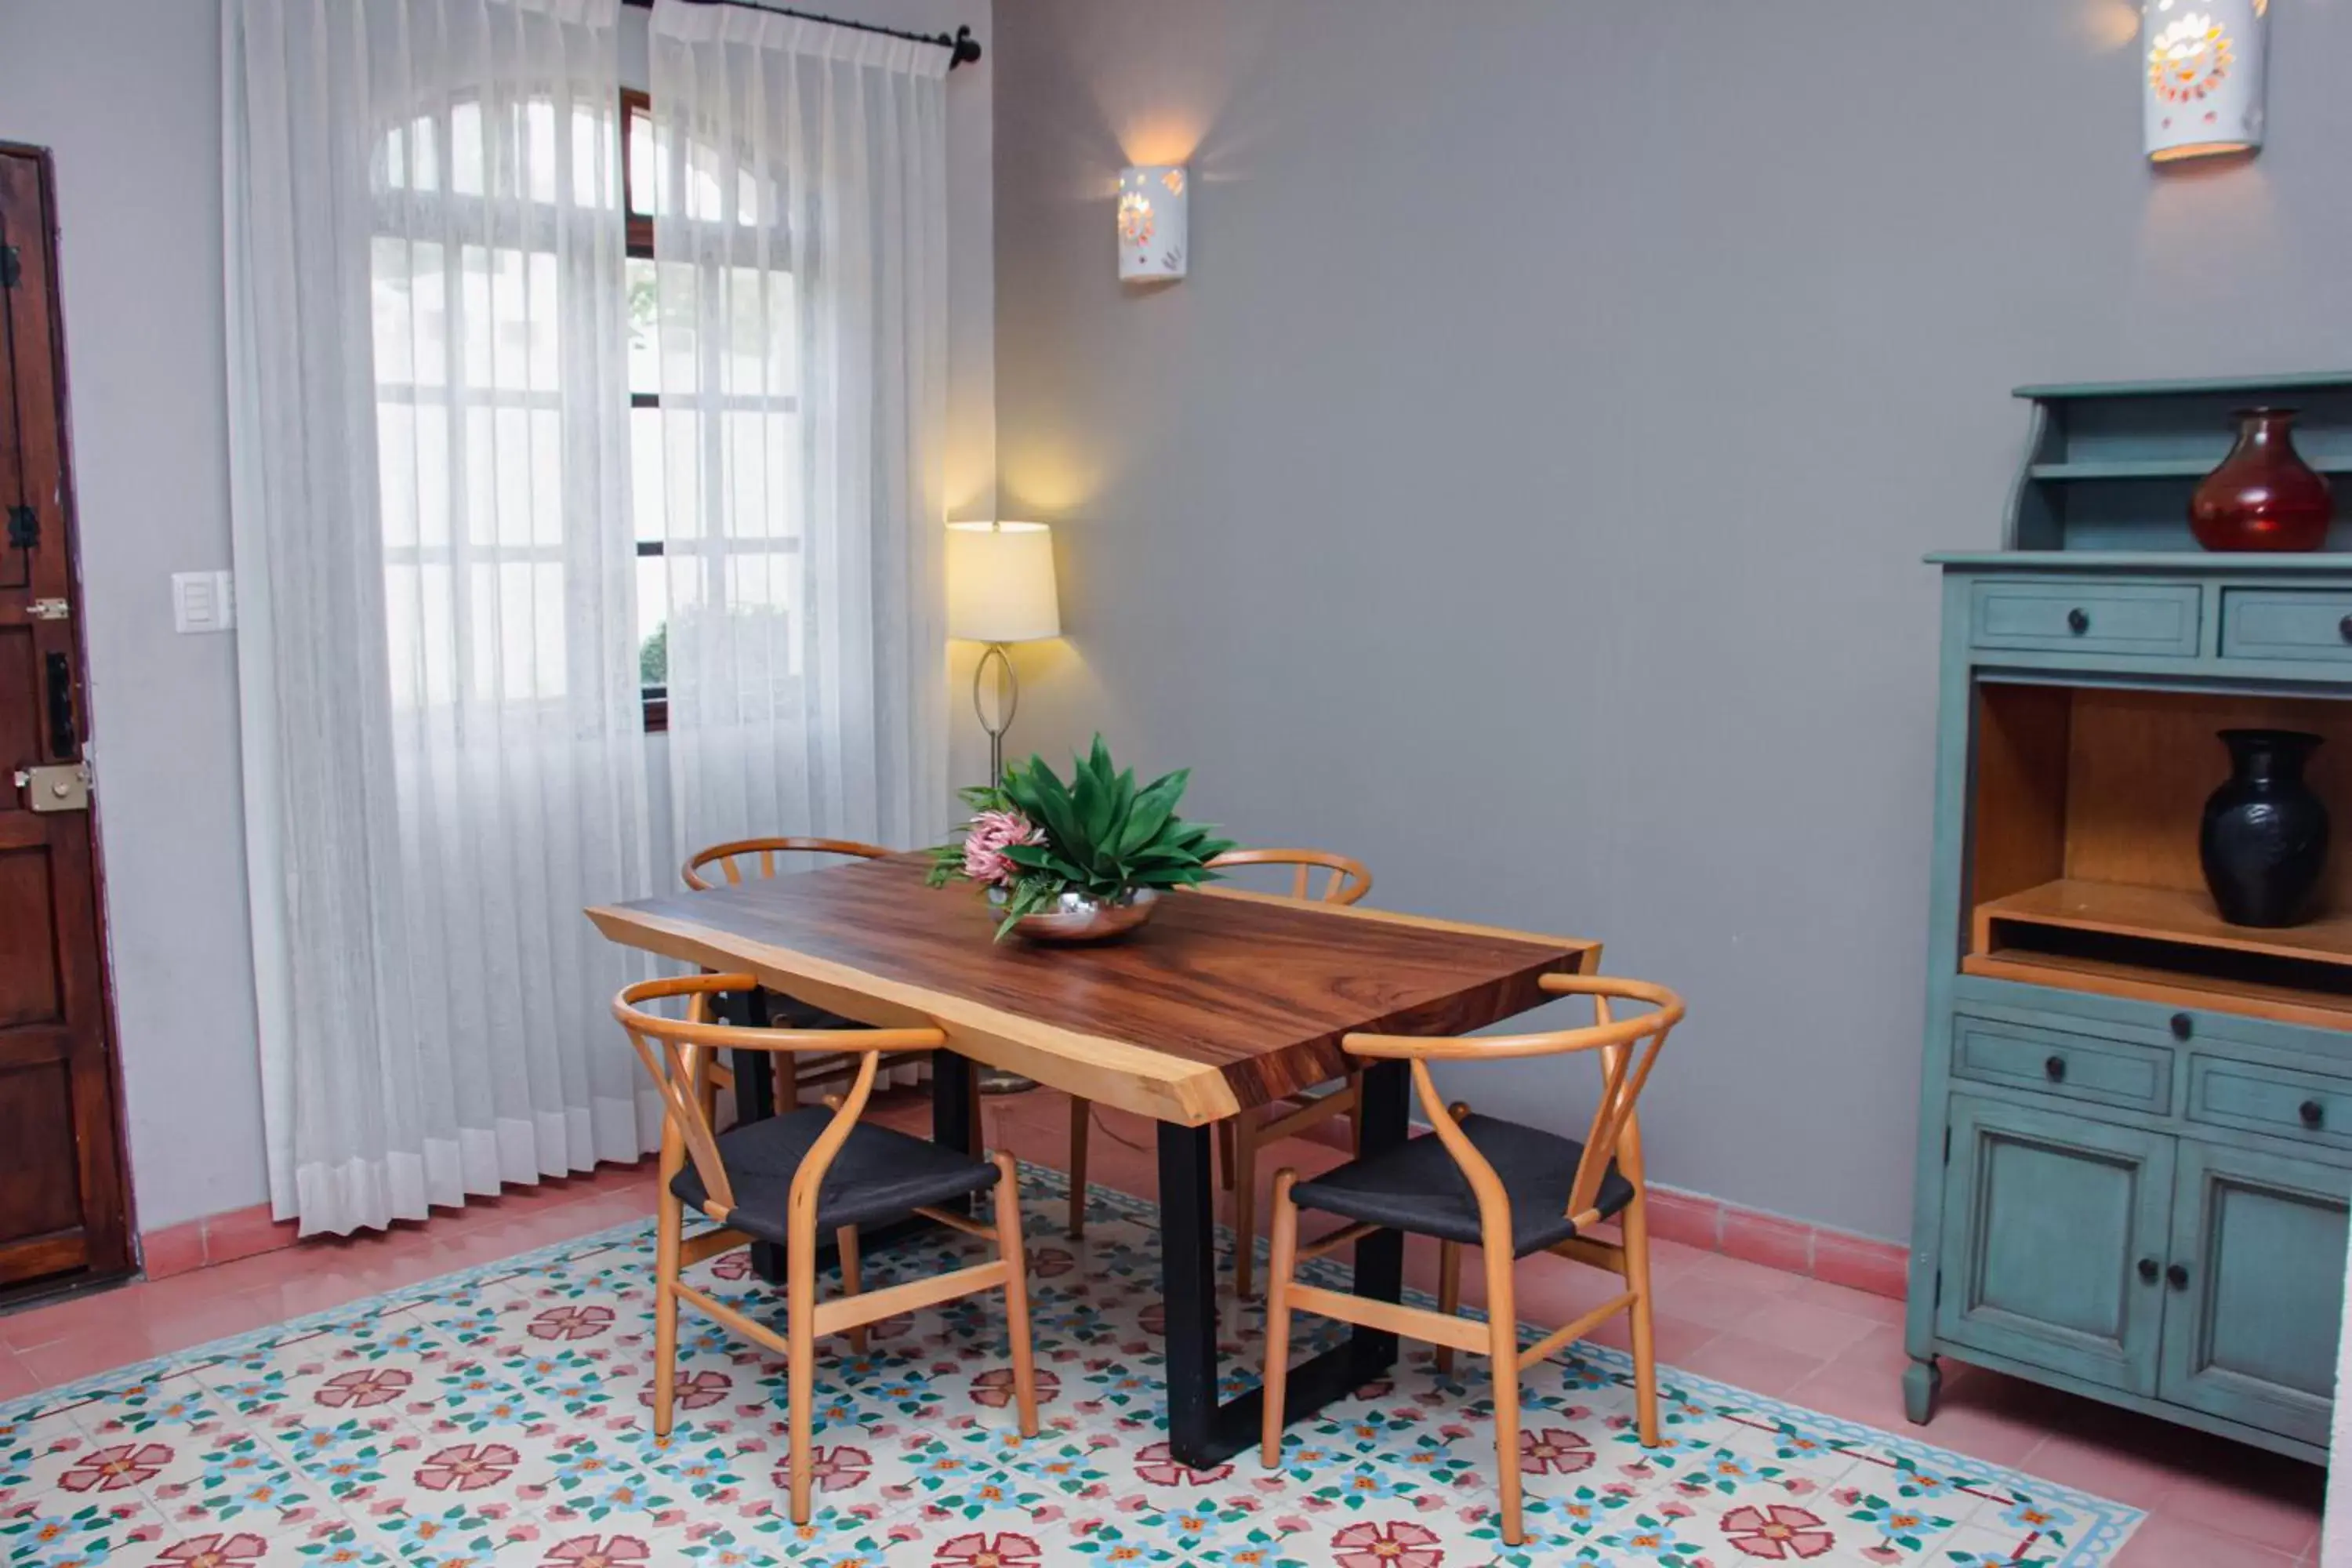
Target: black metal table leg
x=755, y=1099
x=1201, y=1431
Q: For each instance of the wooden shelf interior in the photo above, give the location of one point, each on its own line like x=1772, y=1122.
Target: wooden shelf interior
x=2113, y=469
x=2084, y=869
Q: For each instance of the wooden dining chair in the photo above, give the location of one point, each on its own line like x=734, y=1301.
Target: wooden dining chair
x=1502, y=1187
x=789, y=1178
x=1238, y=1140
x=744, y=860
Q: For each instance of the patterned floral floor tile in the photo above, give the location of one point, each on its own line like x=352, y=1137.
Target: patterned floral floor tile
x=502, y=1418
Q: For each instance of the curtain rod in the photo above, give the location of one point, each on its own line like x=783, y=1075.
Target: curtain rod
x=963, y=48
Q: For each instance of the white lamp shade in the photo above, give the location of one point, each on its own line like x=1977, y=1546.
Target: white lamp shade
x=1001, y=582
x=2203, y=68
x=1152, y=223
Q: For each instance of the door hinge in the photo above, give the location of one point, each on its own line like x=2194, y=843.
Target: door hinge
x=12, y=266
x=1939, y=1289
x=48, y=609
x=1947, y=1145
x=24, y=527
x=55, y=786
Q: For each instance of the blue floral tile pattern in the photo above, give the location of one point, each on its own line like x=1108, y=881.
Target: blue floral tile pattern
x=501, y=1418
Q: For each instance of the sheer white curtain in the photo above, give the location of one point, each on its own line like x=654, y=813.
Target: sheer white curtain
x=440, y=700
x=799, y=191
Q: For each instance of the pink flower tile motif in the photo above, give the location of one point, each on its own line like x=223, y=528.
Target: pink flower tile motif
x=217, y=1550
x=838, y=1468
x=362, y=1387
x=571, y=1322
x=1390, y=1543
x=693, y=1391
x=1779, y=1532
x=500, y=1418
x=1554, y=1450
x=115, y=1468
x=467, y=1467
x=979, y=1549
x=593, y=1551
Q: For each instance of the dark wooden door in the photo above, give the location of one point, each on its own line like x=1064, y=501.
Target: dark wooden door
x=61, y=1190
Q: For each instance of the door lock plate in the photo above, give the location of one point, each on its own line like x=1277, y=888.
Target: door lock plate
x=55, y=786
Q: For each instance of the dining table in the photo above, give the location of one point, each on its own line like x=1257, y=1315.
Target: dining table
x=1221, y=1002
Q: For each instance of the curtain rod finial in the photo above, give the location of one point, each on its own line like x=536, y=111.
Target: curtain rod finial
x=966, y=48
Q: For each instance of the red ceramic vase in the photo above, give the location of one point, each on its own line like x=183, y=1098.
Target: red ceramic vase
x=2263, y=496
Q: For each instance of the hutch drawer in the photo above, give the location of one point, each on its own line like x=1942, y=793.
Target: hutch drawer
x=2258, y=1098
x=2273, y=623
x=2161, y=619
x=2079, y=1067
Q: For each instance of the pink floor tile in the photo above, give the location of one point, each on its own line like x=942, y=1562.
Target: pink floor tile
x=2274, y=1503
x=1678, y=1339
x=1800, y=1325
x=2165, y=1540
x=1754, y=1364
x=16, y=1379
x=1852, y=1303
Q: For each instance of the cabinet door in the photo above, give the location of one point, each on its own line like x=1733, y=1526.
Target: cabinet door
x=2053, y=1240
x=2257, y=1288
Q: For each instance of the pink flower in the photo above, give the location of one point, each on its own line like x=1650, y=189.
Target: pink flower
x=985, y=841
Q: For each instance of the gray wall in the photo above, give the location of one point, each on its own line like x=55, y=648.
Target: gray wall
x=126, y=94
x=1525, y=491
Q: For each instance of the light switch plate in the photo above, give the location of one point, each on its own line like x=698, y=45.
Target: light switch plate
x=203, y=602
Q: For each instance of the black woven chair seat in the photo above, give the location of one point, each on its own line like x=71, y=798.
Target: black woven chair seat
x=878, y=1174
x=1417, y=1187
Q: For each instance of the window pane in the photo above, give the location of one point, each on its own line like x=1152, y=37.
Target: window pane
x=761, y=456
x=412, y=474
x=641, y=162
x=514, y=476
x=409, y=290
x=511, y=319
x=653, y=620
x=644, y=340
x=666, y=472
x=646, y=472
x=516, y=651
x=419, y=623
x=760, y=332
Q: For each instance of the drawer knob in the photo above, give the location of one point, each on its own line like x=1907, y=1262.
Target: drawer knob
x=2312, y=1112
x=2344, y=627
x=2177, y=1275
x=2055, y=1067
x=2148, y=1269
x=2183, y=1025
x=2078, y=620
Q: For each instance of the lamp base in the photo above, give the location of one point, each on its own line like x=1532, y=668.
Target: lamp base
x=1008, y=703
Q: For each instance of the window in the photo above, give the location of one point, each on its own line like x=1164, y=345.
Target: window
x=467, y=354
x=471, y=350
x=714, y=419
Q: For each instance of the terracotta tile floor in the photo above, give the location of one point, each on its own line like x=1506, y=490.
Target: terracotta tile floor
x=2210, y=1503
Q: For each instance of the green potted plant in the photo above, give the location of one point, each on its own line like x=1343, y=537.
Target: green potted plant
x=1081, y=861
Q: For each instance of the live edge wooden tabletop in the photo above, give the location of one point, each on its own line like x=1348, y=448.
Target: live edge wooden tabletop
x=1225, y=999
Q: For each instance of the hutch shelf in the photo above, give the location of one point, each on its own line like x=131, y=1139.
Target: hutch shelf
x=2135, y=1119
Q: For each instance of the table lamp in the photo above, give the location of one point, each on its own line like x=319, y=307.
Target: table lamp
x=999, y=591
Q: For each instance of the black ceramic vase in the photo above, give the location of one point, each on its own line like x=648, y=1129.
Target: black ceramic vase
x=2264, y=840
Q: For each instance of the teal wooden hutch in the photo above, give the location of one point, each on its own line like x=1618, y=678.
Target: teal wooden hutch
x=2135, y=1123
